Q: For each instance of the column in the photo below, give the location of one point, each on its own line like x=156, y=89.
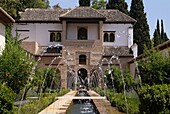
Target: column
x=101, y=30
x=64, y=31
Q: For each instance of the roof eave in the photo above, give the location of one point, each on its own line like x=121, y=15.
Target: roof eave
x=38, y=21
x=8, y=18
x=82, y=18
x=131, y=22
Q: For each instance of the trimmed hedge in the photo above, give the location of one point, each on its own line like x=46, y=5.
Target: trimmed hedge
x=36, y=106
x=118, y=100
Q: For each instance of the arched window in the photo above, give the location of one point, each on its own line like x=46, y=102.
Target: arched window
x=82, y=59
x=112, y=37
x=82, y=33
x=58, y=38
x=55, y=37
x=52, y=37
x=106, y=37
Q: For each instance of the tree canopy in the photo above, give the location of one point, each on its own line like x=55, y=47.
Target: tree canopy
x=118, y=4
x=141, y=28
x=13, y=7
x=99, y=4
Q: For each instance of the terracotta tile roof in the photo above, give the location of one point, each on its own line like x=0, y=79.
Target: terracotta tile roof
x=34, y=14
x=116, y=16
x=119, y=51
x=78, y=12
x=83, y=12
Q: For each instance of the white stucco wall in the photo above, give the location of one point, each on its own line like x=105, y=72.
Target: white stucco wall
x=122, y=34
x=73, y=28
x=2, y=37
x=40, y=32
x=37, y=32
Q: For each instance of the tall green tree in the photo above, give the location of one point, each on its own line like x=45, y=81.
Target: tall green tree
x=158, y=28
x=99, y=4
x=163, y=34
x=118, y=4
x=84, y=2
x=141, y=28
x=156, y=38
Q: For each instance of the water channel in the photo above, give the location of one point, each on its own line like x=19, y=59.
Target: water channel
x=82, y=106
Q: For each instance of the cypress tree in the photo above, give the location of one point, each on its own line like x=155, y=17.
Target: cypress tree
x=118, y=4
x=158, y=28
x=156, y=38
x=163, y=34
x=166, y=37
x=84, y=2
x=141, y=28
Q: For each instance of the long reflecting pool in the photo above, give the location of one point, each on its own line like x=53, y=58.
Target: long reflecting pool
x=83, y=106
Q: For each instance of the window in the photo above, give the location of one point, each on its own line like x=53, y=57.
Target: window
x=106, y=37
x=82, y=59
x=112, y=37
x=109, y=36
x=82, y=33
x=55, y=37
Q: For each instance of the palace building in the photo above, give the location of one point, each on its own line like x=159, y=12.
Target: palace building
x=80, y=38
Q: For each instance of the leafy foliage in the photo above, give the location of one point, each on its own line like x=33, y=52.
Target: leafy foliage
x=154, y=68
x=155, y=99
x=117, y=79
x=15, y=66
x=36, y=106
x=51, y=76
x=118, y=4
x=6, y=99
x=13, y=7
x=141, y=28
x=118, y=100
x=99, y=4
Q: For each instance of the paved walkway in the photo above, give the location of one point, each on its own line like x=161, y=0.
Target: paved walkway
x=60, y=106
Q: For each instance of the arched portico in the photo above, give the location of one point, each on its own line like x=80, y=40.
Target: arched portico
x=82, y=76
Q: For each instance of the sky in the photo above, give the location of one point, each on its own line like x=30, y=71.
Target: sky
x=155, y=9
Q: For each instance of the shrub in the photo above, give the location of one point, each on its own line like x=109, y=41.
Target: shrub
x=154, y=68
x=117, y=79
x=155, y=99
x=62, y=92
x=6, y=99
x=118, y=100
x=36, y=106
x=15, y=65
